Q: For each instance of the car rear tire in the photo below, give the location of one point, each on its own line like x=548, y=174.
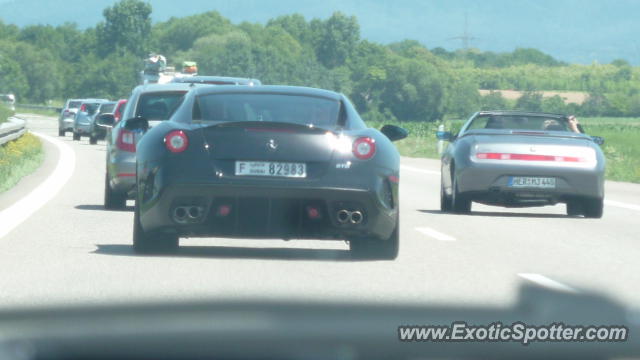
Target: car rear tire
x=575, y=208
x=460, y=203
x=593, y=208
x=76, y=136
x=113, y=200
x=93, y=140
x=61, y=132
x=149, y=243
x=376, y=249
x=445, y=200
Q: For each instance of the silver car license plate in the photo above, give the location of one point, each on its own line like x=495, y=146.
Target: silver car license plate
x=270, y=168
x=532, y=182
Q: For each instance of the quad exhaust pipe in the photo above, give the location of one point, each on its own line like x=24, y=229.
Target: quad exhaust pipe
x=185, y=214
x=356, y=217
x=194, y=212
x=349, y=217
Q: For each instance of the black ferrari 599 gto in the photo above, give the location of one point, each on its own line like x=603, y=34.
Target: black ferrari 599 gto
x=267, y=162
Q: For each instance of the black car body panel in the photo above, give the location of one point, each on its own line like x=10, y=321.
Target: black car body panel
x=203, y=176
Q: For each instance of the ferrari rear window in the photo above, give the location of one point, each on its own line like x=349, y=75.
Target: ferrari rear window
x=298, y=109
x=519, y=122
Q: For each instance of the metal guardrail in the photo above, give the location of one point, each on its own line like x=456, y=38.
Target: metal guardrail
x=12, y=129
x=38, y=107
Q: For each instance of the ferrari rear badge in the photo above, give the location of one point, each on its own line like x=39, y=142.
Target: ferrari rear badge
x=272, y=145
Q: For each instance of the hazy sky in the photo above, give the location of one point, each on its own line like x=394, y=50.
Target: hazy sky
x=570, y=30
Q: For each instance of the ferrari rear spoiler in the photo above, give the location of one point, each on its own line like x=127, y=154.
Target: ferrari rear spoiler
x=266, y=126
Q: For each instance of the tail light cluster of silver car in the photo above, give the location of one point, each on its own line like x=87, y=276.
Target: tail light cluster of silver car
x=126, y=140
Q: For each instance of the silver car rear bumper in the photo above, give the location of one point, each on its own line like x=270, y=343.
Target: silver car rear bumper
x=66, y=124
x=122, y=173
x=483, y=178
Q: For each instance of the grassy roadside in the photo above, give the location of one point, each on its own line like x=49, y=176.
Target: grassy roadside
x=621, y=148
x=19, y=157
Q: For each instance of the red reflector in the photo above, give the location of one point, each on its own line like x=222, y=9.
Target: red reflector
x=527, y=157
x=126, y=174
x=394, y=179
x=313, y=213
x=126, y=141
x=224, y=210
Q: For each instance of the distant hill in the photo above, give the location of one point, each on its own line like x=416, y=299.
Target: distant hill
x=570, y=30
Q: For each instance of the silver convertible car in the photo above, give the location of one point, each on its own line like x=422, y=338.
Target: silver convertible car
x=522, y=159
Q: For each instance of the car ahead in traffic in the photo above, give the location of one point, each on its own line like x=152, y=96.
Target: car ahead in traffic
x=522, y=159
x=216, y=80
x=67, y=116
x=153, y=102
x=84, y=117
x=99, y=132
x=267, y=162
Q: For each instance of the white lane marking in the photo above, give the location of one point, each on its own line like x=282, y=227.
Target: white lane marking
x=435, y=234
x=546, y=282
x=411, y=168
x=20, y=211
x=622, y=205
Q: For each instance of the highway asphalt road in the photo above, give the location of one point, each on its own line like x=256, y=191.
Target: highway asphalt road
x=71, y=250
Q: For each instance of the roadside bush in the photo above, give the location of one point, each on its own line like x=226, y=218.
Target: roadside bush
x=554, y=105
x=19, y=158
x=530, y=101
x=493, y=101
x=5, y=113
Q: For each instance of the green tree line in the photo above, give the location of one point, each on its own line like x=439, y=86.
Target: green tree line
x=402, y=81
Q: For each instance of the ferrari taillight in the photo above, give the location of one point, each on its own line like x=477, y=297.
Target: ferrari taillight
x=528, y=157
x=364, y=148
x=176, y=141
x=126, y=141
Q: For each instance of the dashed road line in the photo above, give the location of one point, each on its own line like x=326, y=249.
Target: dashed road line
x=435, y=234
